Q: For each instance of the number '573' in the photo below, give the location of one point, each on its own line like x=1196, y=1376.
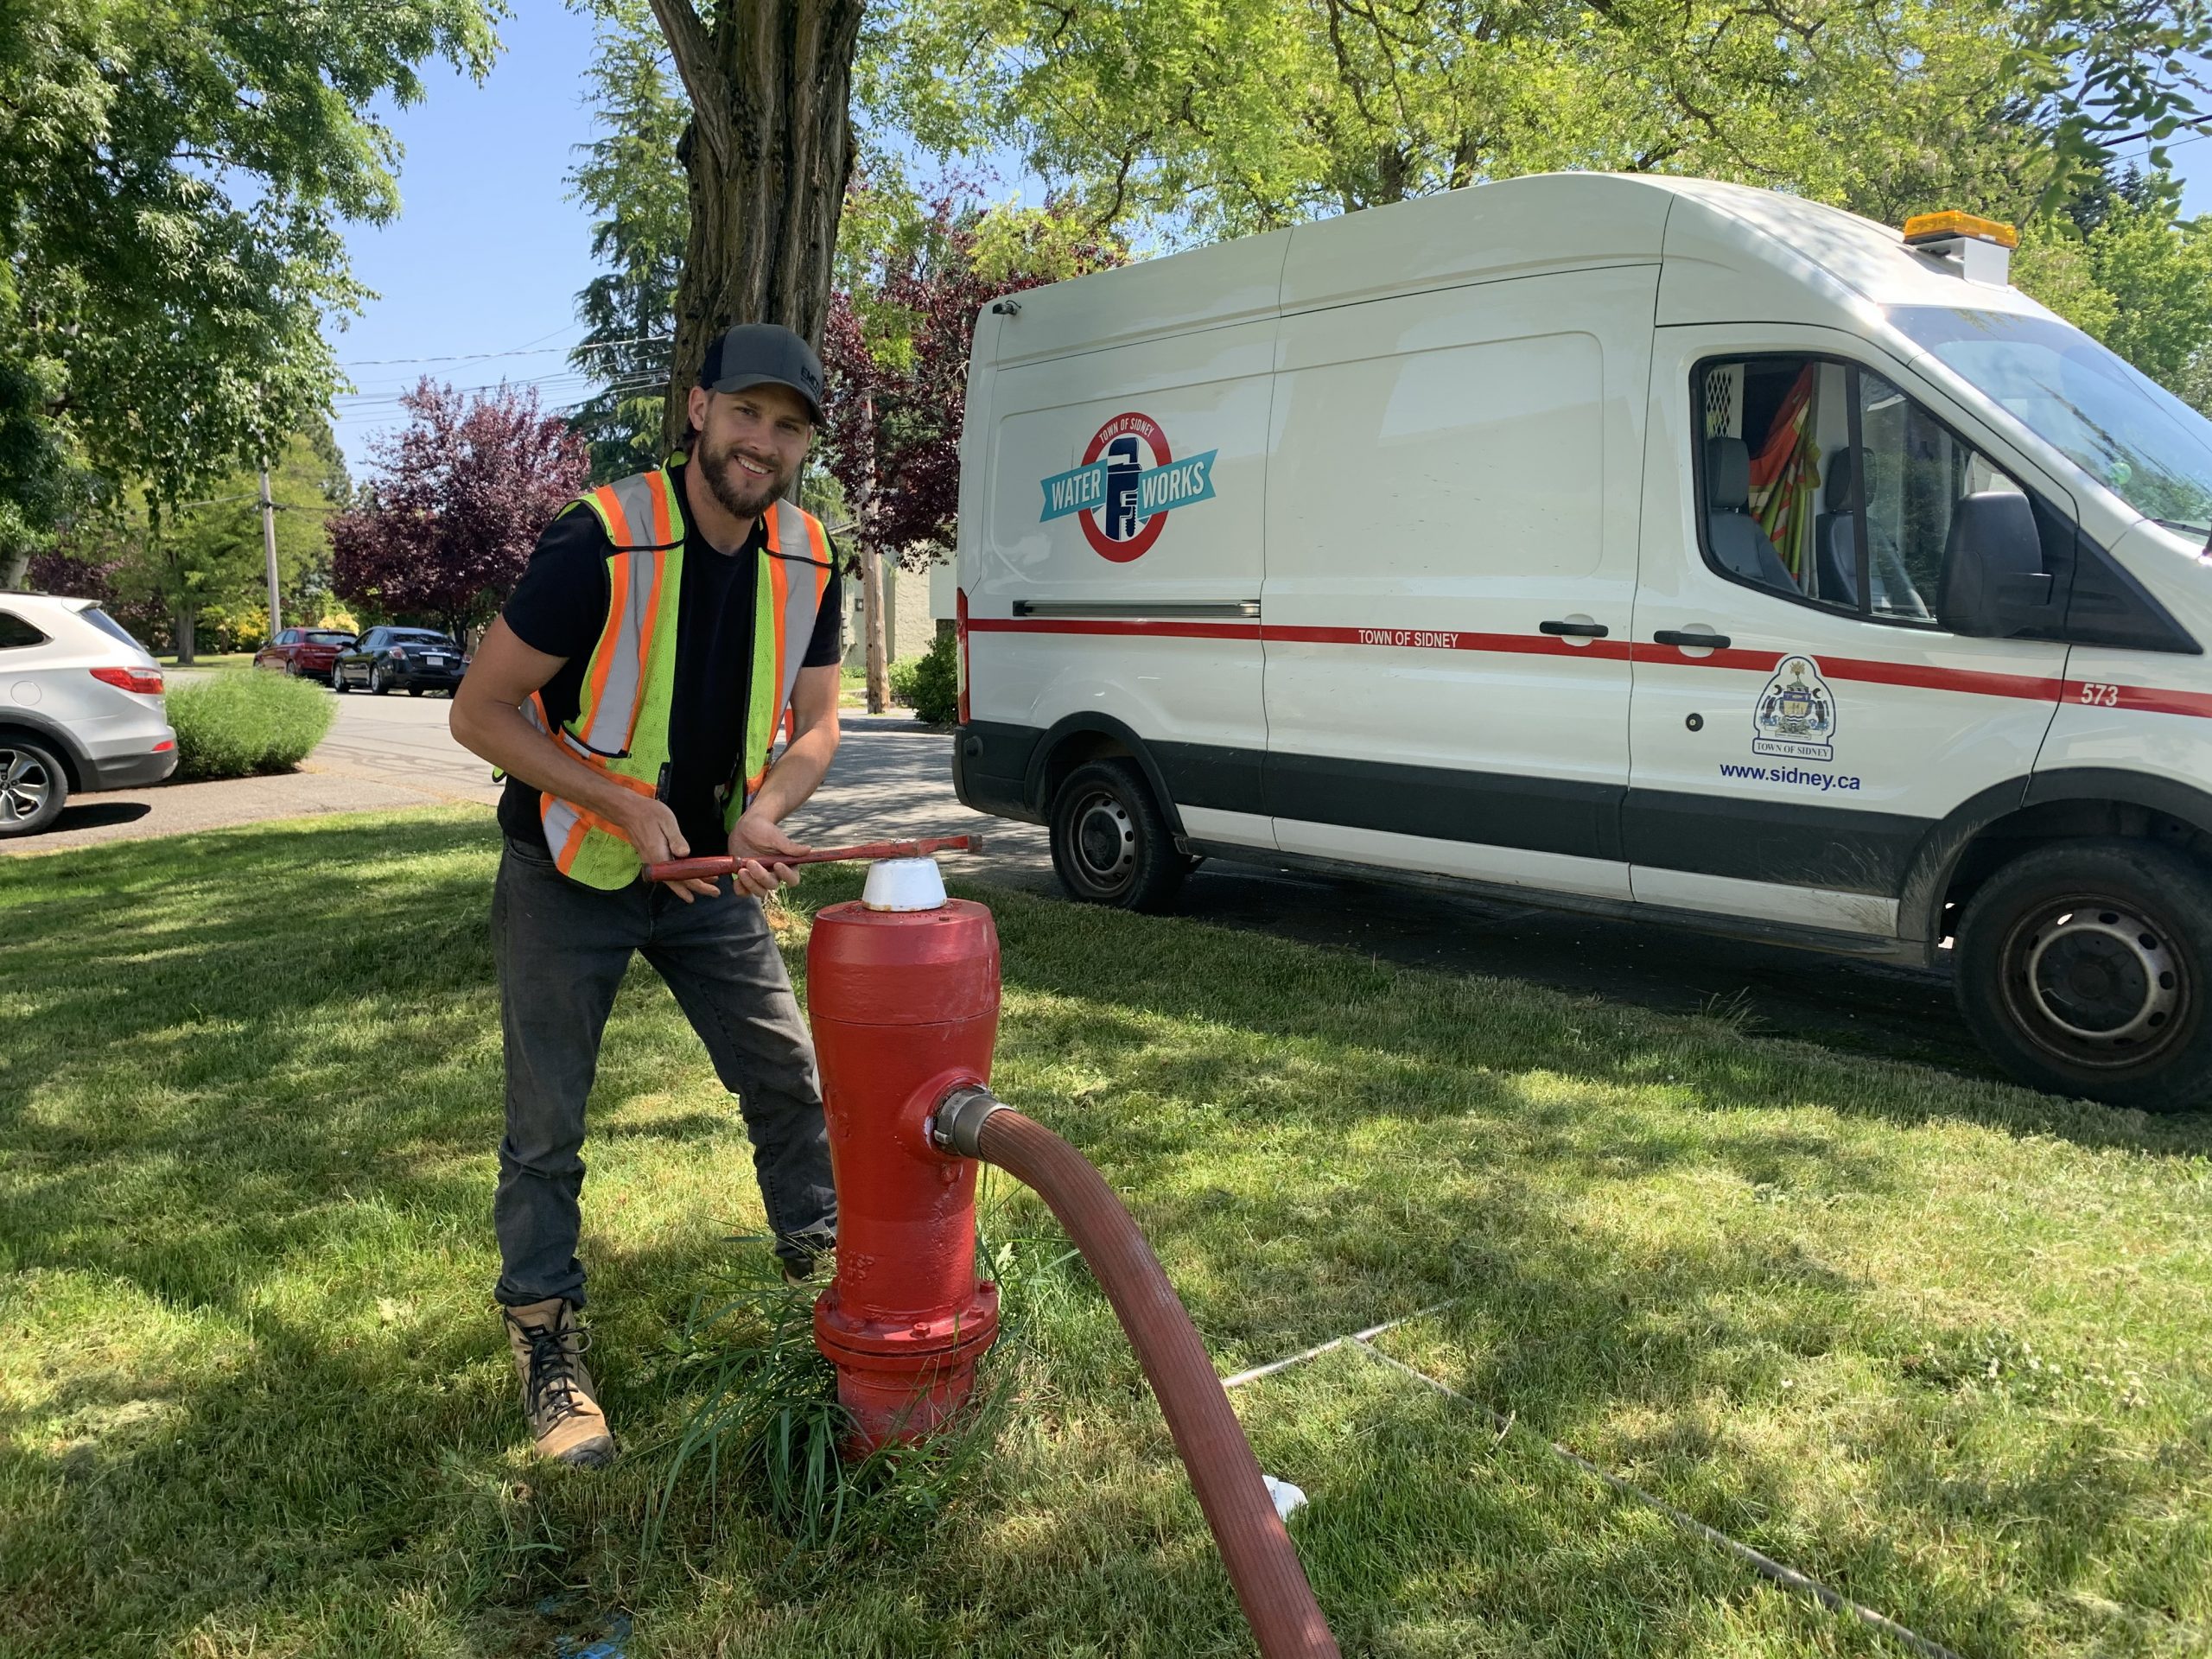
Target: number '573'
x=2099, y=694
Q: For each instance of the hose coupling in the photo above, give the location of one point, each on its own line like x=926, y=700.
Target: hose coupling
x=957, y=1125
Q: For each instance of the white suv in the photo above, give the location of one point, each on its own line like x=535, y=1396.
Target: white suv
x=80, y=708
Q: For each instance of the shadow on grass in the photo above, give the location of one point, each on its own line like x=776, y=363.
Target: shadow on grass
x=246, y=1151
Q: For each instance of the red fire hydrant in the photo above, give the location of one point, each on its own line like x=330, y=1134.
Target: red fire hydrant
x=905, y=1004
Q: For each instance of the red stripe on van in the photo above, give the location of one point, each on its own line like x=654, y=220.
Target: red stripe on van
x=1142, y=625
x=1920, y=676
x=1527, y=644
x=1871, y=672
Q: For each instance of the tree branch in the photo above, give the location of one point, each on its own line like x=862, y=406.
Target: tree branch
x=695, y=62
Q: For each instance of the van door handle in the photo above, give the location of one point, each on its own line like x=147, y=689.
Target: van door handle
x=1695, y=641
x=1574, y=629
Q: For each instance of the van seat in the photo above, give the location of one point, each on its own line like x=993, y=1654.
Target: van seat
x=1835, y=547
x=1738, y=541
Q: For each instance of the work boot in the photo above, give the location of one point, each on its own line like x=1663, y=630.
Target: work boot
x=557, y=1395
x=808, y=1253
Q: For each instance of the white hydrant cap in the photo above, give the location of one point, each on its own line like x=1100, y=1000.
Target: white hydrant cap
x=903, y=884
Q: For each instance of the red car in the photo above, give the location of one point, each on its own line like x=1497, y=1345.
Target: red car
x=304, y=650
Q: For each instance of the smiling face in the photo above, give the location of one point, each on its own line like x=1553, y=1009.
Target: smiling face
x=750, y=446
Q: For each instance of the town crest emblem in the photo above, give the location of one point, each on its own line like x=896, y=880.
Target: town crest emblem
x=1796, y=712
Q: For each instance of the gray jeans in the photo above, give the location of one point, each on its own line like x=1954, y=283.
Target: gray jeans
x=562, y=949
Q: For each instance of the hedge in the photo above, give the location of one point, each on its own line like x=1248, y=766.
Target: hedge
x=235, y=725
x=929, y=683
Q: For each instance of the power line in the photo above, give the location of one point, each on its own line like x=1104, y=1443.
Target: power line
x=518, y=351
x=378, y=413
x=559, y=382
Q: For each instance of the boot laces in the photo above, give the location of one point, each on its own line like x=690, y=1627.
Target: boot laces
x=551, y=1389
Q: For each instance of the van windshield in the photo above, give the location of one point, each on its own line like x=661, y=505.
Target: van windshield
x=2119, y=425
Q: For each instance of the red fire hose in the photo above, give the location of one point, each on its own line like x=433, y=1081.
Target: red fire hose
x=1263, y=1565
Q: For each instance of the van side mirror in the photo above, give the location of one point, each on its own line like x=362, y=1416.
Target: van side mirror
x=1994, y=585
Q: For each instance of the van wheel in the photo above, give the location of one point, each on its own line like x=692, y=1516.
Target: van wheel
x=2081, y=969
x=1110, y=842
x=33, y=787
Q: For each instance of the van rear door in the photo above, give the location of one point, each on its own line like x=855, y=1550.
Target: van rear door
x=1114, y=585
x=1451, y=524
x=1806, y=501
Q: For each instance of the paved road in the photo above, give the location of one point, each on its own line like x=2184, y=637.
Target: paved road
x=893, y=778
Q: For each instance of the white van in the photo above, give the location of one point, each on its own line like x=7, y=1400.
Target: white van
x=1659, y=548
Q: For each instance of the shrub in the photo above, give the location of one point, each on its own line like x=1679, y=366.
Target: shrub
x=929, y=683
x=234, y=725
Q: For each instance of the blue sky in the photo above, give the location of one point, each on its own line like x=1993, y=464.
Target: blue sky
x=476, y=280
x=488, y=251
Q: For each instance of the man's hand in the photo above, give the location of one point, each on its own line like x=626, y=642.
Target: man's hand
x=650, y=828
x=757, y=843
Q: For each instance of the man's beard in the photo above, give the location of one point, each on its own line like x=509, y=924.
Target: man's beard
x=737, y=501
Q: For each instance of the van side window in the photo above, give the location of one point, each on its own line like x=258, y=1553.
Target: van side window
x=1823, y=482
x=15, y=632
x=1917, y=472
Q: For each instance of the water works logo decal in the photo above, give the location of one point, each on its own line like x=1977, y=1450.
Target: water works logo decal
x=1796, y=712
x=1128, y=485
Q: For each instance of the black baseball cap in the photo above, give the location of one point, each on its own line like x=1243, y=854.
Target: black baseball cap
x=763, y=354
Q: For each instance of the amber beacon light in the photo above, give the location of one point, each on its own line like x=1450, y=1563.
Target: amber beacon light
x=1942, y=228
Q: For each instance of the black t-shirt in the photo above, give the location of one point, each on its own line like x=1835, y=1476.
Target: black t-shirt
x=559, y=607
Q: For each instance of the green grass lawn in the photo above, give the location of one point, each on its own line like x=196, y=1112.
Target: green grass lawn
x=204, y=659
x=1944, y=1344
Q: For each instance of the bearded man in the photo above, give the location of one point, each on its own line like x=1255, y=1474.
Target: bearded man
x=630, y=691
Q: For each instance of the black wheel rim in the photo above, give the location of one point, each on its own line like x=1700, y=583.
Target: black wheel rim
x=2098, y=981
x=1102, y=843
x=25, y=786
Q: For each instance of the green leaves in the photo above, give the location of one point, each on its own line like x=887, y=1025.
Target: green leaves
x=174, y=179
x=1200, y=118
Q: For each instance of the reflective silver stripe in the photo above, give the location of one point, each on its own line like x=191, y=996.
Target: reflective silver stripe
x=634, y=495
x=803, y=593
x=561, y=820
x=608, y=730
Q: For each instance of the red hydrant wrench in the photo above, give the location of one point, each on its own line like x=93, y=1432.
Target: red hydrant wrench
x=705, y=869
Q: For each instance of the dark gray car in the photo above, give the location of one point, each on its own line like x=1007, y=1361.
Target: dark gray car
x=413, y=660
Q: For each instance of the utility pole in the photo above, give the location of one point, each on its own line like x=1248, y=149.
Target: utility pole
x=879, y=667
x=871, y=619
x=268, y=549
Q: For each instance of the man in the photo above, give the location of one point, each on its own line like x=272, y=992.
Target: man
x=630, y=691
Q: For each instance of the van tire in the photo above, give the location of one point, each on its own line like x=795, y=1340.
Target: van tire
x=1111, y=845
x=33, y=785
x=2082, y=968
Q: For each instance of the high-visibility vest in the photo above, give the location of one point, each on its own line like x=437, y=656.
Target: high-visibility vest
x=620, y=727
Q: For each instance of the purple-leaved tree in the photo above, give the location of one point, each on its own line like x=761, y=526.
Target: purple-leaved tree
x=464, y=491
x=896, y=357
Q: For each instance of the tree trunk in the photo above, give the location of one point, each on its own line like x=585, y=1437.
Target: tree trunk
x=768, y=152
x=188, y=628
x=879, y=663
x=14, y=565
